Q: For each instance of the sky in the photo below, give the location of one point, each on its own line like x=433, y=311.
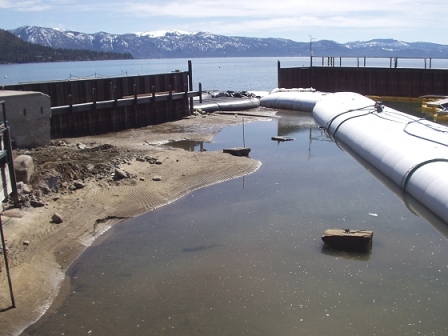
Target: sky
x=303, y=21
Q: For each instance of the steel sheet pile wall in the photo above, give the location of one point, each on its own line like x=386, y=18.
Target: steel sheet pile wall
x=398, y=82
x=113, y=104
x=103, y=120
x=81, y=91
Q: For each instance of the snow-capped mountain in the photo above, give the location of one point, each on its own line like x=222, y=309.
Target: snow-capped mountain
x=177, y=44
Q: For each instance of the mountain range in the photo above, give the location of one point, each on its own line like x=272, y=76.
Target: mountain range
x=177, y=44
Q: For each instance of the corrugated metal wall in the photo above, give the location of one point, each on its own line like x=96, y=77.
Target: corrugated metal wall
x=97, y=119
x=81, y=91
x=398, y=82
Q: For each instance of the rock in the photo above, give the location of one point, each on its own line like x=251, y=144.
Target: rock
x=142, y=179
x=49, y=181
x=24, y=168
x=78, y=185
x=153, y=160
x=58, y=143
x=37, y=203
x=81, y=146
x=120, y=174
x=45, y=189
x=26, y=242
x=57, y=218
x=23, y=188
x=237, y=151
x=157, y=178
x=12, y=213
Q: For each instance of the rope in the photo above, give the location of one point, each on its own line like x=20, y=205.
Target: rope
x=412, y=170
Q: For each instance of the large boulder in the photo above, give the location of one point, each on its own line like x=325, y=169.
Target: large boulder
x=24, y=168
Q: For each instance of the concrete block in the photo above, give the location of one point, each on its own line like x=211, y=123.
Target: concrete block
x=28, y=114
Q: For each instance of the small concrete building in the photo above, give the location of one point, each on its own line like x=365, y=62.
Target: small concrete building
x=28, y=114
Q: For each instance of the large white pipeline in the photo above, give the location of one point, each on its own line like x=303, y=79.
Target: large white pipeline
x=292, y=99
x=410, y=151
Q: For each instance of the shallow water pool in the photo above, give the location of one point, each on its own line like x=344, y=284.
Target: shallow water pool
x=245, y=257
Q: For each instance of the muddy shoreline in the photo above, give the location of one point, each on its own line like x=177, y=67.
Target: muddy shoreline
x=38, y=267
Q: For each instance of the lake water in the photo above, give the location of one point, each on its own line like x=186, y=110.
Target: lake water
x=245, y=257
x=213, y=73
x=251, y=73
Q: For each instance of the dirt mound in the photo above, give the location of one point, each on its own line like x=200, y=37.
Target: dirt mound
x=74, y=163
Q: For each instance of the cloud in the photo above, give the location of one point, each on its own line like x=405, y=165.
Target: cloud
x=261, y=8
x=239, y=16
x=28, y=5
x=342, y=18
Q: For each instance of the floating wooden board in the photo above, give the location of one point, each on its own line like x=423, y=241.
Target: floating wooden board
x=281, y=138
x=346, y=239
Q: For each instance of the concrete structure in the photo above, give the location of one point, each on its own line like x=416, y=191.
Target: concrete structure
x=28, y=114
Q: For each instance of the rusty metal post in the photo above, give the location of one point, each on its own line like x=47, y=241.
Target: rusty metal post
x=190, y=83
x=115, y=108
x=12, y=177
x=8, y=274
x=10, y=160
x=278, y=74
x=170, y=111
x=153, y=104
x=12, y=172
x=134, y=87
x=70, y=118
x=185, y=106
x=93, y=128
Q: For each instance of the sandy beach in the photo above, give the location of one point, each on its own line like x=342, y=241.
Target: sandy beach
x=90, y=198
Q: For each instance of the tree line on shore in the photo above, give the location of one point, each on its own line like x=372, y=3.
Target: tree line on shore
x=15, y=50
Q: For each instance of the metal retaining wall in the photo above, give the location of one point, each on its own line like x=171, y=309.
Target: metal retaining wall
x=101, y=105
x=397, y=82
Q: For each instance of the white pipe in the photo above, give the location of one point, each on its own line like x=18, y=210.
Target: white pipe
x=292, y=99
x=410, y=151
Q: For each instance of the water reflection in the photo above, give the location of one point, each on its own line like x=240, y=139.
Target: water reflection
x=188, y=145
x=292, y=122
x=225, y=260
x=363, y=255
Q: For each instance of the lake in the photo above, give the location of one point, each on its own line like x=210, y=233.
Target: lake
x=213, y=73
x=243, y=73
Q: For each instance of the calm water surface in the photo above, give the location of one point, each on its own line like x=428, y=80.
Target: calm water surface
x=231, y=73
x=245, y=257
x=258, y=73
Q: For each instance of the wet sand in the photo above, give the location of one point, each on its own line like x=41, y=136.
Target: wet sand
x=40, y=251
